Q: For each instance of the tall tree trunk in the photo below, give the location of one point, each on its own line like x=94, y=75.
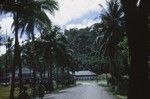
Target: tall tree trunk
x=50, y=79
x=7, y=55
x=16, y=56
x=57, y=74
x=33, y=63
x=137, y=36
x=112, y=55
x=20, y=74
x=51, y=73
x=41, y=77
x=63, y=76
x=6, y=67
x=68, y=74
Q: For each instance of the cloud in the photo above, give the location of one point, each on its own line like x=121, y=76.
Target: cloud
x=68, y=10
x=85, y=23
x=2, y=50
x=73, y=9
x=5, y=24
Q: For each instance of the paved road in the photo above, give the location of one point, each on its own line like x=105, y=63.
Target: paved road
x=84, y=91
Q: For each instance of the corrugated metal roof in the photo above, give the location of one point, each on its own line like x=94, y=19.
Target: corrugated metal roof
x=86, y=72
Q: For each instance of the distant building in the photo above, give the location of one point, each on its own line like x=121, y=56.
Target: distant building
x=26, y=75
x=85, y=75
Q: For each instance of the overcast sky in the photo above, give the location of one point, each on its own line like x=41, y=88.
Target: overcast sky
x=77, y=13
x=71, y=14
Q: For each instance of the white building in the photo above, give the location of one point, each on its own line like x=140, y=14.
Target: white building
x=85, y=75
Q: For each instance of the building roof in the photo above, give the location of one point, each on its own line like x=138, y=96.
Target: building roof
x=83, y=73
x=24, y=71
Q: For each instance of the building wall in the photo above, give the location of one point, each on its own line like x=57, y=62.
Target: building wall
x=87, y=77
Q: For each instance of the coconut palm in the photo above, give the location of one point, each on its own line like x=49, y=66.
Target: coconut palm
x=13, y=7
x=49, y=40
x=111, y=32
x=33, y=17
x=64, y=58
x=55, y=51
x=8, y=45
x=20, y=8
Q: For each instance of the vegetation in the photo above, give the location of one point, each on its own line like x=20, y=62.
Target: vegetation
x=114, y=47
x=29, y=16
x=103, y=47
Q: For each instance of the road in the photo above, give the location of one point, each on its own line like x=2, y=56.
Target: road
x=83, y=91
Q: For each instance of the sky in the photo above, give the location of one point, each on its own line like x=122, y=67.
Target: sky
x=71, y=14
x=77, y=13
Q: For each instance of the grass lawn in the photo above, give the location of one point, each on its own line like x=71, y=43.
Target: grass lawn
x=5, y=91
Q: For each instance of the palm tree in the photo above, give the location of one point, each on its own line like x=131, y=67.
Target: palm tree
x=49, y=58
x=63, y=58
x=33, y=16
x=18, y=7
x=111, y=33
x=55, y=52
x=48, y=38
x=13, y=7
x=8, y=45
x=16, y=61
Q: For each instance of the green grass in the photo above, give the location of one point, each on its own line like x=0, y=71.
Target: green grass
x=116, y=94
x=5, y=91
x=102, y=83
x=121, y=97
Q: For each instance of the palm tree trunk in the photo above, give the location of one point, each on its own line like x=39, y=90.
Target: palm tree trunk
x=136, y=24
x=57, y=77
x=50, y=79
x=68, y=74
x=113, y=60
x=33, y=64
x=6, y=67
x=16, y=56
x=41, y=77
x=63, y=77
x=20, y=74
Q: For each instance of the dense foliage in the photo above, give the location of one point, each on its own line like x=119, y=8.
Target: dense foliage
x=113, y=46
